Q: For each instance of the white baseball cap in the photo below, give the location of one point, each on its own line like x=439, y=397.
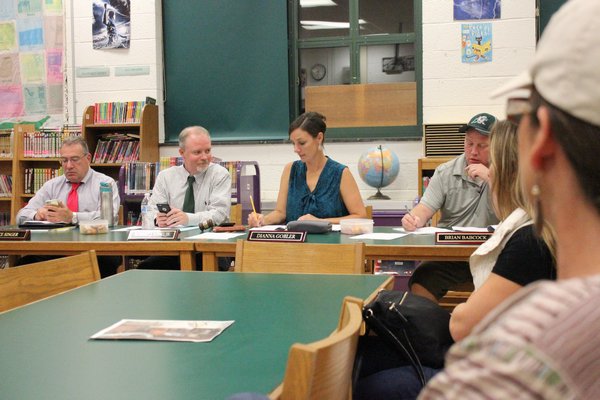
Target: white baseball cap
x=566, y=67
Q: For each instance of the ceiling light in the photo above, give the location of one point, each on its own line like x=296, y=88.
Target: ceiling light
x=314, y=25
x=316, y=3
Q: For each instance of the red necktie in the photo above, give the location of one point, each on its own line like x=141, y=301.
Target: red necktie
x=73, y=199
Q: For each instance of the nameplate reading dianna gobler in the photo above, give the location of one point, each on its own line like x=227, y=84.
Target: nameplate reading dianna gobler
x=277, y=236
x=15, y=234
x=461, y=237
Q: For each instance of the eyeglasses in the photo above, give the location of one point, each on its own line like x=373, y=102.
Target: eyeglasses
x=517, y=108
x=73, y=160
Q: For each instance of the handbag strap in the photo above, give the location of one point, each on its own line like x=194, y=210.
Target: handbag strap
x=407, y=349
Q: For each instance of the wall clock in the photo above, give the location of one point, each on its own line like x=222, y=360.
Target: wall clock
x=318, y=71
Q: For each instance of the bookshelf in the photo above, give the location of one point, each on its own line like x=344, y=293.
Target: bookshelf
x=146, y=131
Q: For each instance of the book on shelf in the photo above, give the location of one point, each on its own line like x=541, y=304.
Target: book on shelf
x=116, y=148
x=46, y=142
x=5, y=185
x=35, y=178
x=118, y=112
x=6, y=143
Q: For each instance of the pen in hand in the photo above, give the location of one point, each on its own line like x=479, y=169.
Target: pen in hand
x=253, y=208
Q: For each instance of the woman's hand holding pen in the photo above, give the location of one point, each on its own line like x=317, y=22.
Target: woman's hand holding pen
x=255, y=219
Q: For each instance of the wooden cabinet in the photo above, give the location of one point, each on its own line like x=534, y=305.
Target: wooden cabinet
x=146, y=129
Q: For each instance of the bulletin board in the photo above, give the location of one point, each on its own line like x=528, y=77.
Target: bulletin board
x=31, y=59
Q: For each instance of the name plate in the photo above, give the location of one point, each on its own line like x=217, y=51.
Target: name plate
x=15, y=234
x=154, y=234
x=461, y=237
x=277, y=236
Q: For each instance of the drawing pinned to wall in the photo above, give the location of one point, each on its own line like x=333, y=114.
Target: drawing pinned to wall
x=476, y=43
x=111, y=26
x=476, y=9
x=31, y=61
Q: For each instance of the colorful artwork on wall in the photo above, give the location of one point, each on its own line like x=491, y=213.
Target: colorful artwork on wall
x=111, y=26
x=476, y=43
x=476, y=9
x=31, y=59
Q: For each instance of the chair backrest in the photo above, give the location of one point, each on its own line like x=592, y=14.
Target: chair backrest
x=235, y=214
x=323, y=369
x=369, y=211
x=32, y=282
x=300, y=257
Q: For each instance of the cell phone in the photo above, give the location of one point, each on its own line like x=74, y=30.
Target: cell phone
x=52, y=202
x=163, y=207
x=227, y=224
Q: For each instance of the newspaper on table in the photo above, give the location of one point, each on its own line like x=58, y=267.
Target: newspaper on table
x=167, y=330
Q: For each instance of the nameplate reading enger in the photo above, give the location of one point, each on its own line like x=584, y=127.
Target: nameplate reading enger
x=277, y=236
x=461, y=237
x=15, y=234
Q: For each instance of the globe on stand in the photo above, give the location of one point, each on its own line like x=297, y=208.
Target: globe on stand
x=378, y=167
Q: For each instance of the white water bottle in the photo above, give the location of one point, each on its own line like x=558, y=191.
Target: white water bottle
x=146, y=213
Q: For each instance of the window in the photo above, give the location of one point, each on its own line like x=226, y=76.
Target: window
x=359, y=63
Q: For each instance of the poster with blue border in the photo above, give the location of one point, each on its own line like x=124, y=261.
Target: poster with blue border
x=476, y=43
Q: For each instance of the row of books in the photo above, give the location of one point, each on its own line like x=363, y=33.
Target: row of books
x=139, y=177
x=4, y=218
x=6, y=143
x=36, y=177
x=5, y=185
x=119, y=112
x=117, y=148
x=46, y=142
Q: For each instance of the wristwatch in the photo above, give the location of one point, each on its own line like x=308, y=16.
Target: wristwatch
x=74, y=219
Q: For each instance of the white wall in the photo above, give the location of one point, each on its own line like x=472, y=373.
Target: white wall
x=452, y=91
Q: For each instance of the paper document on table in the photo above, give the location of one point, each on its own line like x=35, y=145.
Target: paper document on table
x=379, y=236
x=169, y=330
x=269, y=228
x=217, y=235
x=470, y=229
x=336, y=228
x=426, y=230
x=126, y=229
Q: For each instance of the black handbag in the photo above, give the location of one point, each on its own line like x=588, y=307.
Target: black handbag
x=417, y=328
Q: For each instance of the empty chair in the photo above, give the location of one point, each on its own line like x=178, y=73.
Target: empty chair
x=32, y=282
x=300, y=257
x=323, y=369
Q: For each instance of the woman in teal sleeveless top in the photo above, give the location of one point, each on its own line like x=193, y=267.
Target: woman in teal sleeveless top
x=314, y=187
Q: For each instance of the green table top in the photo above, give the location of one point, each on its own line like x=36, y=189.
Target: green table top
x=46, y=353
x=73, y=234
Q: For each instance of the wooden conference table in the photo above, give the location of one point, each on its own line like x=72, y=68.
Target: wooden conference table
x=65, y=242
x=68, y=241
x=409, y=247
x=46, y=353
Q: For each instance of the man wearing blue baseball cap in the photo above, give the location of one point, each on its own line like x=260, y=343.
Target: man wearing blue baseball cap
x=460, y=190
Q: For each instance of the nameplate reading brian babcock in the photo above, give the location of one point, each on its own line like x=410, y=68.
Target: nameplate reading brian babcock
x=461, y=237
x=275, y=236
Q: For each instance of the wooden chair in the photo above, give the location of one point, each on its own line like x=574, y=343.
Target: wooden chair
x=32, y=282
x=323, y=369
x=235, y=214
x=300, y=257
x=369, y=211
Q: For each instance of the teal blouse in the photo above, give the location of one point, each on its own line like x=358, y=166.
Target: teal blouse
x=325, y=201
